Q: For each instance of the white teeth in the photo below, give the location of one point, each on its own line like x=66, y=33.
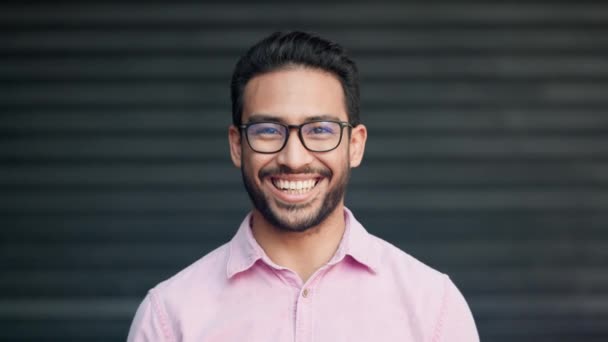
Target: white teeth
x=298, y=187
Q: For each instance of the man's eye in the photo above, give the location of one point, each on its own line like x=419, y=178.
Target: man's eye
x=320, y=129
x=266, y=131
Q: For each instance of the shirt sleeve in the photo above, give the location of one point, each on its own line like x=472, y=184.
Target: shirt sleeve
x=150, y=323
x=456, y=323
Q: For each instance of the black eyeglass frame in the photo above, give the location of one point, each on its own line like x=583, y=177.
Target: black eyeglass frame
x=244, y=127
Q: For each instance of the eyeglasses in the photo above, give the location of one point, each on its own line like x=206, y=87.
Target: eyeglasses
x=316, y=136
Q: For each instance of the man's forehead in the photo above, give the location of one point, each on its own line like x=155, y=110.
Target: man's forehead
x=294, y=95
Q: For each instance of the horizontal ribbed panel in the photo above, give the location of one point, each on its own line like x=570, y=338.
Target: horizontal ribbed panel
x=487, y=155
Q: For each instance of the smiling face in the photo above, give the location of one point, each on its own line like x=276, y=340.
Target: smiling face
x=296, y=189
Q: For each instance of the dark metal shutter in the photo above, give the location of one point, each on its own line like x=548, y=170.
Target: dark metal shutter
x=487, y=154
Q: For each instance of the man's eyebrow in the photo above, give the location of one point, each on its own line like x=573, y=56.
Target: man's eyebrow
x=323, y=117
x=264, y=117
x=273, y=118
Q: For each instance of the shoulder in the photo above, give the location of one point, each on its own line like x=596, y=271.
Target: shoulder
x=204, y=269
x=435, y=299
x=207, y=275
x=166, y=304
x=419, y=287
x=397, y=262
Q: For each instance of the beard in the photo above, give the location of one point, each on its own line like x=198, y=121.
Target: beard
x=298, y=217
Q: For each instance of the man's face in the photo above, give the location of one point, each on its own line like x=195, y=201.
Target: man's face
x=295, y=96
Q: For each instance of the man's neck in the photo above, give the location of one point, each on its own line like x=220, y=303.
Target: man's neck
x=302, y=252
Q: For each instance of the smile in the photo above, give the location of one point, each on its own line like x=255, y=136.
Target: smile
x=295, y=187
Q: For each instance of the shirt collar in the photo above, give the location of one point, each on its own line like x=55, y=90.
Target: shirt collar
x=244, y=251
x=358, y=244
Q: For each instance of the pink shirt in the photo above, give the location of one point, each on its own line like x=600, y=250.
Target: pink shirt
x=369, y=291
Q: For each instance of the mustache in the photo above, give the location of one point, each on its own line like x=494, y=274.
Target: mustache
x=285, y=170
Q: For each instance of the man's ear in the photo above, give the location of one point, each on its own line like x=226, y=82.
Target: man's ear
x=358, y=137
x=234, y=138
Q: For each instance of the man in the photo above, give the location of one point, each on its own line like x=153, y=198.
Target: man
x=301, y=268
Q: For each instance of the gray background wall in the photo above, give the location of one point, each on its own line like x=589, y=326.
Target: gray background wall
x=487, y=155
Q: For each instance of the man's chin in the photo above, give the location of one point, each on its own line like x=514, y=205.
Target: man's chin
x=293, y=217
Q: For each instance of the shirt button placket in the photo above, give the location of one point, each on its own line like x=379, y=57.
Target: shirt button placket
x=304, y=316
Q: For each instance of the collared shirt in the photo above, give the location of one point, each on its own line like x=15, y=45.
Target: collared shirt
x=369, y=291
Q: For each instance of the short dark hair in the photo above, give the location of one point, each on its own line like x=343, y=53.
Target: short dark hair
x=287, y=49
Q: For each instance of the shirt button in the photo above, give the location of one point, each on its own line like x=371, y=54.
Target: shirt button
x=305, y=293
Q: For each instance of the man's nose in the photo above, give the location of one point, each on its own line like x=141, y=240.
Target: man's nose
x=294, y=155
